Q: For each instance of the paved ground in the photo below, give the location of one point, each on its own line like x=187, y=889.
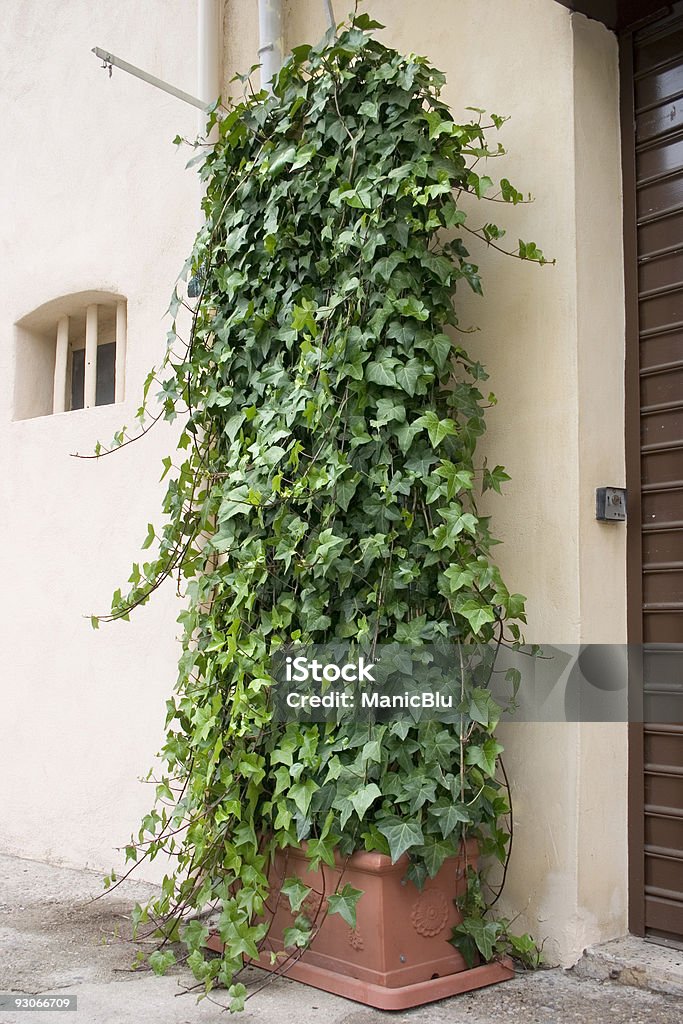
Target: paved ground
x=53, y=941
x=632, y=961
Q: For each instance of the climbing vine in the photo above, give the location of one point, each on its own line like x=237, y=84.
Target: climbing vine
x=325, y=488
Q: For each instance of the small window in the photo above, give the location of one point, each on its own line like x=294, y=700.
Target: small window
x=71, y=355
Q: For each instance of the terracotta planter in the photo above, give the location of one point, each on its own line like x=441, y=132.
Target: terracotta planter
x=397, y=956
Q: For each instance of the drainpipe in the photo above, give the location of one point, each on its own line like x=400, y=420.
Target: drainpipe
x=270, y=40
x=209, y=33
x=329, y=11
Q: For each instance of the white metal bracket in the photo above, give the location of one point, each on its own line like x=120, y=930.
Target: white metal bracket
x=109, y=61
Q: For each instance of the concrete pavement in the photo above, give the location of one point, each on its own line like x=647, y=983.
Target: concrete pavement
x=53, y=941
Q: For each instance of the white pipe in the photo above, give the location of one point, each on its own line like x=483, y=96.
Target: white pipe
x=331, y=23
x=209, y=50
x=121, y=341
x=90, y=397
x=270, y=40
x=61, y=357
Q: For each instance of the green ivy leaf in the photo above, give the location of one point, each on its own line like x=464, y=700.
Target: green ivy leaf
x=434, y=853
x=238, y=995
x=484, y=756
x=304, y=155
x=194, y=935
x=381, y=371
x=160, y=961
x=411, y=307
x=493, y=478
x=364, y=797
x=408, y=375
x=482, y=707
x=483, y=933
x=476, y=613
x=295, y=891
x=299, y=935
x=437, y=428
x=439, y=347
x=302, y=793
x=450, y=816
x=344, y=904
x=281, y=159
x=401, y=835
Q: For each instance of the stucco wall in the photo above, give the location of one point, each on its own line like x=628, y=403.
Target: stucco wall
x=94, y=196
x=99, y=198
x=602, y=863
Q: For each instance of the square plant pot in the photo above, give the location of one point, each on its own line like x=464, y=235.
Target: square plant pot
x=398, y=955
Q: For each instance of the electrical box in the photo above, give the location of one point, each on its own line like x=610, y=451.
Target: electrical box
x=610, y=504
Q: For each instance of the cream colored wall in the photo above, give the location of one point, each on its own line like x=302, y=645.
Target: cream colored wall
x=602, y=757
x=552, y=339
x=94, y=196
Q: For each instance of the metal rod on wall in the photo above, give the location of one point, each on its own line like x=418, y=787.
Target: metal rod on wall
x=111, y=61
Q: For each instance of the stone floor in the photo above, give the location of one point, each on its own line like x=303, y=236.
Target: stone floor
x=632, y=961
x=55, y=941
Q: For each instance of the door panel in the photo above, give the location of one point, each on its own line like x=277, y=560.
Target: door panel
x=650, y=54
x=665, y=271
x=662, y=234
x=663, y=349
x=658, y=196
x=652, y=65
x=664, y=386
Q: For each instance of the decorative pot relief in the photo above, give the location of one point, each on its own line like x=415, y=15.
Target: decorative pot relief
x=356, y=940
x=430, y=912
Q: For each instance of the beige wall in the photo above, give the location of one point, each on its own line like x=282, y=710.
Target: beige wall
x=83, y=710
x=94, y=196
x=602, y=755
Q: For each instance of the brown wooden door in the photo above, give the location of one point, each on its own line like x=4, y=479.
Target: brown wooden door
x=652, y=96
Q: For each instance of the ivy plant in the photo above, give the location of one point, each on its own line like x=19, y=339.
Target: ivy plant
x=325, y=487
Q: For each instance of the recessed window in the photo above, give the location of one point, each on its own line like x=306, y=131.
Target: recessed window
x=71, y=355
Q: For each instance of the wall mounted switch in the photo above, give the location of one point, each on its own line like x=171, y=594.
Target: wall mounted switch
x=610, y=504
